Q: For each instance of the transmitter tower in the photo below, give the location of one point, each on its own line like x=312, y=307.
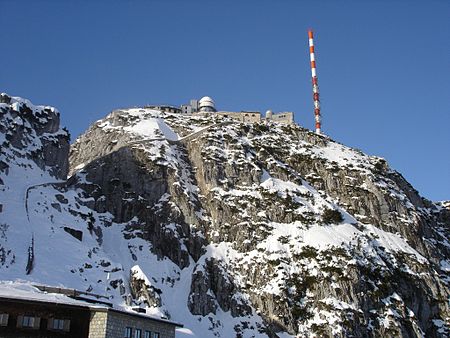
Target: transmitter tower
x=315, y=84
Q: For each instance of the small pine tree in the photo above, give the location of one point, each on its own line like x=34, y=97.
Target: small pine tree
x=332, y=216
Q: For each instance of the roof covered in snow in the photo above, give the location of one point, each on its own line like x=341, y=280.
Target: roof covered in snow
x=23, y=291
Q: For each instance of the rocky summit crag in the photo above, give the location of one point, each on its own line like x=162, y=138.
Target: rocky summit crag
x=233, y=229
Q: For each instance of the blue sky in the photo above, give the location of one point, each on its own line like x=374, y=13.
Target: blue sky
x=383, y=66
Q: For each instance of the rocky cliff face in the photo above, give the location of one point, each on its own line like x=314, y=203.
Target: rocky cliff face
x=245, y=230
x=33, y=133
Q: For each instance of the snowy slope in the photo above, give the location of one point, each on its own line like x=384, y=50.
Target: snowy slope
x=231, y=229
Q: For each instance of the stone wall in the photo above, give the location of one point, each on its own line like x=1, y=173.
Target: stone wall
x=113, y=324
x=254, y=117
x=97, y=327
x=251, y=117
x=284, y=117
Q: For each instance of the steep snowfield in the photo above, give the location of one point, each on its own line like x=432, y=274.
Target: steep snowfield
x=54, y=224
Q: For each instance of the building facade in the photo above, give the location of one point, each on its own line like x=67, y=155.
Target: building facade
x=190, y=108
x=206, y=106
x=116, y=324
x=165, y=108
x=68, y=318
x=283, y=117
x=23, y=318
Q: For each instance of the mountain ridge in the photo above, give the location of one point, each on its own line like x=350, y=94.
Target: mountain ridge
x=233, y=229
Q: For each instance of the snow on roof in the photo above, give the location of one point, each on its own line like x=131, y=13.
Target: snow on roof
x=21, y=290
x=26, y=291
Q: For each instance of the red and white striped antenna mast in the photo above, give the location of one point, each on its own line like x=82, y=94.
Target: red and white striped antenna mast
x=315, y=84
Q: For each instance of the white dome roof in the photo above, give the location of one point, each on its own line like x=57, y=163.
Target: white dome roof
x=206, y=98
x=206, y=101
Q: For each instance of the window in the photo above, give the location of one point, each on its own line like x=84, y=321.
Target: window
x=128, y=332
x=156, y=335
x=59, y=324
x=148, y=334
x=4, y=319
x=138, y=333
x=28, y=322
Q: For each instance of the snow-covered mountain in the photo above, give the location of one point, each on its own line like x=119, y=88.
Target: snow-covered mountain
x=233, y=229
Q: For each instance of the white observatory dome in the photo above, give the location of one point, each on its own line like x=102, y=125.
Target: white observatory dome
x=206, y=104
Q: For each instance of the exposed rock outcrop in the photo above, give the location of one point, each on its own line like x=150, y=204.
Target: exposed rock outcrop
x=36, y=129
x=246, y=230
x=235, y=174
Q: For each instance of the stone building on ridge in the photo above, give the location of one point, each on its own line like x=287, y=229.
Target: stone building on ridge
x=206, y=106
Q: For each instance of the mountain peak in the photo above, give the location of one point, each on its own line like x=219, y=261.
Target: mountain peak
x=249, y=229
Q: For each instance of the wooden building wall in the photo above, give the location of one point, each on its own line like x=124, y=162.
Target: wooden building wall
x=79, y=319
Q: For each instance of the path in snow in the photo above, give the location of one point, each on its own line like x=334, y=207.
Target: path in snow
x=183, y=139
x=30, y=260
